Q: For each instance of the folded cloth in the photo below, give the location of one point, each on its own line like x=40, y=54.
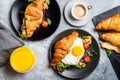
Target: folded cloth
x=8, y=42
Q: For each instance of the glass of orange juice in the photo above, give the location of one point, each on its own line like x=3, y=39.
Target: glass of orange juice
x=22, y=59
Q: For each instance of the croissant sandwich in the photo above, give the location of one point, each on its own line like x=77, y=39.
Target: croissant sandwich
x=112, y=41
x=111, y=23
x=62, y=47
x=33, y=17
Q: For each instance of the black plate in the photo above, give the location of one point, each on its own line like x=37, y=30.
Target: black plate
x=114, y=58
x=73, y=73
x=53, y=13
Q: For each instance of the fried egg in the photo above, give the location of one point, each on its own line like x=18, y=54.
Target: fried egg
x=75, y=54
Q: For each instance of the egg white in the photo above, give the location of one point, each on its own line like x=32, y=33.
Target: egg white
x=70, y=58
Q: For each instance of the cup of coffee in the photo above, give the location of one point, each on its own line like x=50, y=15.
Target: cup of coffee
x=79, y=11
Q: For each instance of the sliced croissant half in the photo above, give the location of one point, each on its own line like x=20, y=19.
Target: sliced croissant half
x=112, y=41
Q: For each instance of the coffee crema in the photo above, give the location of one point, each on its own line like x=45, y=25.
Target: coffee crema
x=79, y=11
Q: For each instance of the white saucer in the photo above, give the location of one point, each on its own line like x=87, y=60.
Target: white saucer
x=70, y=19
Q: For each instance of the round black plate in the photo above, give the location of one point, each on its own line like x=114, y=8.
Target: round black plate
x=73, y=73
x=53, y=12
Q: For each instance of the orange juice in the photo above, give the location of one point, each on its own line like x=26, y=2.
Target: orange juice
x=22, y=59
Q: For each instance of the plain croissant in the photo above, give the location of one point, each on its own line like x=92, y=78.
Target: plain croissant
x=111, y=23
x=62, y=47
x=112, y=38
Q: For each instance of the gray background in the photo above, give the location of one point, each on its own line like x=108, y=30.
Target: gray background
x=42, y=71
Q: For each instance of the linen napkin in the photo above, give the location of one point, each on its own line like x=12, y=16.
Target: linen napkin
x=8, y=42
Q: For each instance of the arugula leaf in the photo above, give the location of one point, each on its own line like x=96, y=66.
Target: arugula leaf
x=49, y=21
x=109, y=53
x=62, y=66
x=90, y=54
x=23, y=27
x=83, y=36
x=48, y=2
x=24, y=22
x=78, y=66
x=94, y=52
x=30, y=1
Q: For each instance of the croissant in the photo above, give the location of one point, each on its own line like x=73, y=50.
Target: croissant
x=111, y=23
x=113, y=38
x=62, y=47
x=33, y=17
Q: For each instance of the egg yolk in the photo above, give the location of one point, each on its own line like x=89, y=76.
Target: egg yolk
x=77, y=51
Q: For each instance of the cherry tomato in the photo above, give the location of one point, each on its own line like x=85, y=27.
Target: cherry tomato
x=86, y=45
x=44, y=24
x=87, y=59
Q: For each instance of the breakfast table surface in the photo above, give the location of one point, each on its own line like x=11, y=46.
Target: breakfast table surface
x=42, y=70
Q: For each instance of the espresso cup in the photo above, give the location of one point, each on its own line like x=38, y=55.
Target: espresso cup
x=79, y=11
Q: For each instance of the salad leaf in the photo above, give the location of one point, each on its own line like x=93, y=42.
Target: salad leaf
x=23, y=27
x=83, y=36
x=24, y=22
x=30, y=0
x=94, y=52
x=90, y=54
x=109, y=53
x=49, y=21
x=48, y=2
x=78, y=66
x=62, y=66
